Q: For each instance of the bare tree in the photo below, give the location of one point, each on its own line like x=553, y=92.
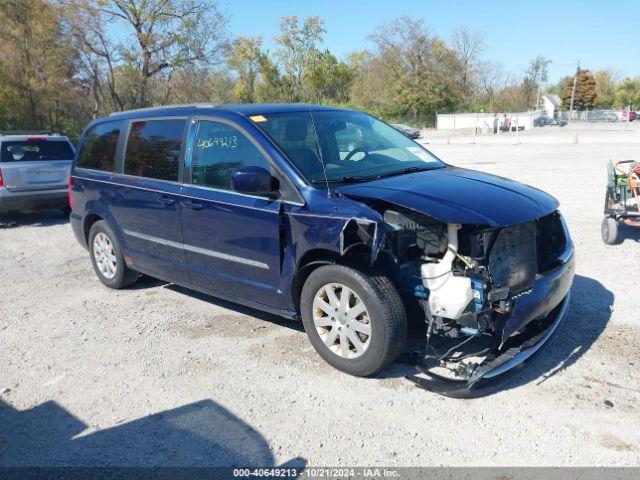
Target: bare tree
x=167, y=35
x=499, y=90
x=535, y=76
x=469, y=46
x=97, y=54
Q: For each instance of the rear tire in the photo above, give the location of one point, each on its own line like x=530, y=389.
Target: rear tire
x=381, y=313
x=107, y=259
x=610, y=231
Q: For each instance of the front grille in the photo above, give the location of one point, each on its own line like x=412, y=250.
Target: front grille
x=513, y=261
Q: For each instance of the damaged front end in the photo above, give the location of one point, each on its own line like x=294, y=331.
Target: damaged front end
x=491, y=296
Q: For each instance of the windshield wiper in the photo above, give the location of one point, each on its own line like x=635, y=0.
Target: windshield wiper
x=347, y=179
x=403, y=171
x=351, y=179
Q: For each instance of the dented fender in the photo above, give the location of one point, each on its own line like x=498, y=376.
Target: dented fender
x=337, y=232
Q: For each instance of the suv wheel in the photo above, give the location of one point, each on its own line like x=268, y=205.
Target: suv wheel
x=107, y=258
x=356, y=322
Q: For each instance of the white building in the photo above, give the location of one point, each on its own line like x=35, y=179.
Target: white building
x=551, y=103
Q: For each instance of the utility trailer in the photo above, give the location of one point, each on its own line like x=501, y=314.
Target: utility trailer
x=622, y=200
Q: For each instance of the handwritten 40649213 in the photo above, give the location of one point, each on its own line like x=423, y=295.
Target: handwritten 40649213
x=218, y=142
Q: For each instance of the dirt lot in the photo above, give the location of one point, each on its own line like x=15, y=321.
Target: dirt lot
x=158, y=375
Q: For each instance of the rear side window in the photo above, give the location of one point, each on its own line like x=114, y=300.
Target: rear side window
x=217, y=150
x=98, y=150
x=153, y=149
x=33, y=151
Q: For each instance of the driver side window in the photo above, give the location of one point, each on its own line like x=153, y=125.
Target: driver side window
x=217, y=150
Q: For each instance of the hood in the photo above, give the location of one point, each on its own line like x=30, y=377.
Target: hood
x=457, y=195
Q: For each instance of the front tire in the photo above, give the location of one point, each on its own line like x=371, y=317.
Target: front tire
x=107, y=259
x=610, y=231
x=355, y=321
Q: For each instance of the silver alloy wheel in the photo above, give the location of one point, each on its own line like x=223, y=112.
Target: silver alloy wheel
x=342, y=320
x=105, y=255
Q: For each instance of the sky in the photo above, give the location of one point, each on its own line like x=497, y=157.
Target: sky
x=598, y=33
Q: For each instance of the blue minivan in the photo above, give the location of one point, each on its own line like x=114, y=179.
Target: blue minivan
x=335, y=218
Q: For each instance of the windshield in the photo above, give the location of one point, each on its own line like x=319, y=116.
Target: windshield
x=353, y=146
x=24, y=151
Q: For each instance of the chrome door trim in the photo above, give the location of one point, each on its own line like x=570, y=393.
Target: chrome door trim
x=194, y=249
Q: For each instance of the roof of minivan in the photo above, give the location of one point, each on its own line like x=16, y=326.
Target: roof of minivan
x=245, y=109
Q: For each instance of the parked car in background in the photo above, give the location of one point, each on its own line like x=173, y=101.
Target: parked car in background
x=542, y=120
x=560, y=121
x=406, y=130
x=333, y=217
x=34, y=171
x=632, y=116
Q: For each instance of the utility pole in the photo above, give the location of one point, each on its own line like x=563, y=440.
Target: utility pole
x=573, y=91
x=539, y=86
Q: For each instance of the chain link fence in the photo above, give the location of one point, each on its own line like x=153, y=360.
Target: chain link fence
x=517, y=122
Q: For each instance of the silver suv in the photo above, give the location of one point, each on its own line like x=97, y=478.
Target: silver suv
x=34, y=171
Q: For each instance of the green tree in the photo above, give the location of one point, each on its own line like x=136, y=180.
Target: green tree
x=245, y=57
x=327, y=79
x=37, y=69
x=298, y=50
x=606, y=81
x=410, y=74
x=273, y=85
x=560, y=87
x=628, y=93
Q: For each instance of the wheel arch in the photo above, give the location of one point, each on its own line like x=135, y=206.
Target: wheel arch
x=87, y=223
x=357, y=257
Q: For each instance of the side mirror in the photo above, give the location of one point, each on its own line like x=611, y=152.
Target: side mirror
x=254, y=181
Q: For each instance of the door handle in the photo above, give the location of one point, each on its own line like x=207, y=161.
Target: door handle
x=165, y=200
x=192, y=205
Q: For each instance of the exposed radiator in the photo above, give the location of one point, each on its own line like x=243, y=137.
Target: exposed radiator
x=513, y=261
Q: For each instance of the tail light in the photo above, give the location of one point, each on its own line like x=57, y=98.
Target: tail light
x=1, y=182
x=70, y=192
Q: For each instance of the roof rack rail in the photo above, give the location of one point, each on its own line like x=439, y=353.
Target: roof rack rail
x=160, y=107
x=27, y=132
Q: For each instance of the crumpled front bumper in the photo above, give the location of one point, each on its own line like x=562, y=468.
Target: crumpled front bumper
x=548, y=299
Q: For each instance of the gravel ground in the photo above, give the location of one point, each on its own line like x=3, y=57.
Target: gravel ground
x=158, y=375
